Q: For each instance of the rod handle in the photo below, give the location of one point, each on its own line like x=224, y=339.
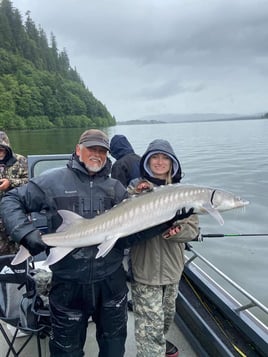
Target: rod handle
x=212, y=235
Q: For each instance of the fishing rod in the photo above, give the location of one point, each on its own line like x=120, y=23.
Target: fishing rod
x=219, y=235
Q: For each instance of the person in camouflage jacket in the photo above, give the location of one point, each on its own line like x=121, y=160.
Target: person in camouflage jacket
x=13, y=173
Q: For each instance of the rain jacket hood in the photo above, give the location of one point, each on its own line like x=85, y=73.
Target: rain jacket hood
x=4, y=142
x=160, y=146
x=120, y=146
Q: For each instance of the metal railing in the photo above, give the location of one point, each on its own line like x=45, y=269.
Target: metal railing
x=253, y=302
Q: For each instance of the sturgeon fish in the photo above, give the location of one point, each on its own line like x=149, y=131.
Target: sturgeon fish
x=131, y=216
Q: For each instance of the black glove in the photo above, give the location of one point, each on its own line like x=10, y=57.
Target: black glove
x=188, y=246
x=33, y=242
x=182, y=213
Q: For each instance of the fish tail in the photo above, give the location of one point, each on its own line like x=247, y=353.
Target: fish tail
x=21, y=256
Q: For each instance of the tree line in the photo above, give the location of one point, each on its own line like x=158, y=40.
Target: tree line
x=38, y=87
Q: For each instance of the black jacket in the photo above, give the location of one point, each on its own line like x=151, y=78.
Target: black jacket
x=69, y=188
x=126, y=168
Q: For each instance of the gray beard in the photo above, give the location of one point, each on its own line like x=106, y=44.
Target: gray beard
x=93, y=169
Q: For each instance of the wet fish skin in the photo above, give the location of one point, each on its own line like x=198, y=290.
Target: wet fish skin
x=133, y=215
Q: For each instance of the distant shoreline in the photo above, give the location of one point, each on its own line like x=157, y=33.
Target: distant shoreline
x=141, y=122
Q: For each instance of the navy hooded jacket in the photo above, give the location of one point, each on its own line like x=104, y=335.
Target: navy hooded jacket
x=126, y=166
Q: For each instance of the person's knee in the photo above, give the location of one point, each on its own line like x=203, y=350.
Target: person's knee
x=115, y=317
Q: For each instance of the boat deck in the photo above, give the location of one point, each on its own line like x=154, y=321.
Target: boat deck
x=91, y=348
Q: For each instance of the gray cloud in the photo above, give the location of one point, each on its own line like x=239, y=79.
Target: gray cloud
x=167, y=89
x=132, y=53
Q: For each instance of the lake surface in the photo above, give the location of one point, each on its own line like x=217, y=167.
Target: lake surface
x=232, y=155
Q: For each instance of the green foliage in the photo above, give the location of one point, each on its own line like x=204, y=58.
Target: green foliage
x=10, y=120
x=38, y=122
x=38, y=87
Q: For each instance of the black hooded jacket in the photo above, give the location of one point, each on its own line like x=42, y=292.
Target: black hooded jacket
x=126, y=168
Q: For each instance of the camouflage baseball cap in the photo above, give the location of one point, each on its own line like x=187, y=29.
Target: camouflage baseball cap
x=4, y=140
x=94, y=137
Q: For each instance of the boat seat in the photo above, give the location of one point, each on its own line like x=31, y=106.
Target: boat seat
x=22, y=310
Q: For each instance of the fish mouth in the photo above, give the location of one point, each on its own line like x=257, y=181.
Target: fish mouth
x=244, y=202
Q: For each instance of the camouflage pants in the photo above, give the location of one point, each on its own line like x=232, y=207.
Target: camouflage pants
x=43, y=283
x=154, y=310
x=7, y=246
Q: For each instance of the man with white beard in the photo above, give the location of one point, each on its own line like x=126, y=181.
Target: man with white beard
x=82, y=286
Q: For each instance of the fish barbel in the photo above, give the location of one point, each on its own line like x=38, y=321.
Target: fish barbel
x=131, y=216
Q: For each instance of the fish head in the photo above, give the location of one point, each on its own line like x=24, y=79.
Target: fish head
x=224, y=201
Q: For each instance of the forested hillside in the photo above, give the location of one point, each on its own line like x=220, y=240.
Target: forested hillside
x=38, y=87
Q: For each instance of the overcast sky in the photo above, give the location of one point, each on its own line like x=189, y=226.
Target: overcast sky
x=147, y=57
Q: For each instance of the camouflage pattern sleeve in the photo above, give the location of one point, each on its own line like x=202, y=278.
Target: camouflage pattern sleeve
x=7, y=246
x=18, y=173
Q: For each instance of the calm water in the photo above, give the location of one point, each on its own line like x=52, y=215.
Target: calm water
x=228, y=155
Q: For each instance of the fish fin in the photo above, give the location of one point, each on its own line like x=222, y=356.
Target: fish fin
x=69, y=218
x=21, y=256
x=56, y=254
x=105, y=247
x=213, y=212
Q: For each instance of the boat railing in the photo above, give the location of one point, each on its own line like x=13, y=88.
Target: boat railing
x=251, y=301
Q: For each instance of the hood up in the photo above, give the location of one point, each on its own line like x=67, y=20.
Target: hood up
x=160, y=146
x=5, y=143
x=120, y=146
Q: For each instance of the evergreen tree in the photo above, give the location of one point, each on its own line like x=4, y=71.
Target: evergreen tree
x=38, y=87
